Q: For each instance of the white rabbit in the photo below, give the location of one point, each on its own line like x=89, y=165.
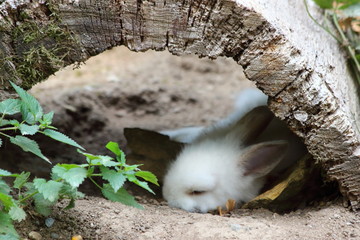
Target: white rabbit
x=225, y=161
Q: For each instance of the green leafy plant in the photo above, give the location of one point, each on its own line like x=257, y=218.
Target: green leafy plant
x=344, y=15
x=19, y=191
x=33, y=121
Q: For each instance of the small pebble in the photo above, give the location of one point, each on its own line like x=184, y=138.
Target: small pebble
x=235, y=227
x=54, y=235
x=35, y=235
x=49, y=222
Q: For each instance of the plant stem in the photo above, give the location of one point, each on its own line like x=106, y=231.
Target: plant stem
x=1, y=133
x=320, y=25
x=9, y=128
x=347, y=46
x=29, y=196
x=95, y=182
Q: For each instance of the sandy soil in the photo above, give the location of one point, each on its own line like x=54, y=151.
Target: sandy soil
x=158, y=91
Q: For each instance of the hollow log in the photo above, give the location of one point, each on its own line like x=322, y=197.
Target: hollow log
x=298, y=65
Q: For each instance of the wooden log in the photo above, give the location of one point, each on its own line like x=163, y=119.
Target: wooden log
x=291, y=59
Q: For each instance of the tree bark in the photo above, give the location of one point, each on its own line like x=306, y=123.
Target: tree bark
x=291, y=59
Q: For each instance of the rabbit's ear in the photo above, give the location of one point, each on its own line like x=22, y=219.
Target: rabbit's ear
x=259, y=159
x=249, y=127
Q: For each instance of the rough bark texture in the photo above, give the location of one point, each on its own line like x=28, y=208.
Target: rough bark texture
x=293, y=61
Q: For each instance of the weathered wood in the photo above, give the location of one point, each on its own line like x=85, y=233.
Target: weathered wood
x=291, y=59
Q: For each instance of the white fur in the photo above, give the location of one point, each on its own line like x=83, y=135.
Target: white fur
x=212, y=164
x=247, y=100
x=184, y=135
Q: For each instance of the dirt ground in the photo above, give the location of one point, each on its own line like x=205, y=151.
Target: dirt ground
x=156, y=90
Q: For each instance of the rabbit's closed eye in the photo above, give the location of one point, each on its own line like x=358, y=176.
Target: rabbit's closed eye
x=196, y=192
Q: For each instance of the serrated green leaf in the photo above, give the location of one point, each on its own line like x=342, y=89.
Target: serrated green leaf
x=89, y=156
x=42, y=205
x=28, y=130
x=70, y=192
x=74, y=176
x=28, y=103
x=6, y=200
x=99, y=159
x=21, y=180
x=49, y=189
x=10, y=106
x=121, y=196
x=28, y=145
x=4, y=173
x=58, y=136
x=324, y=3
x=148, y=176
x=142, y=184
x=105, y=161
x=116, y=179
x=4, y=188
x=27, y=115
x=130, y=168
x=7, y=230
x=16, y=213
x=5, y=122
x=114, y=147
x=47, y=118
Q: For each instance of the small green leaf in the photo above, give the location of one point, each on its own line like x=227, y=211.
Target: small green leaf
x=324, y=3
x=148, y=176
x=61, y=137
x=28, y=102
x=28, y=145
x=49, y=189
x=121, y=196
x=114, y=147
x=89, y=156
x=28, y=130
x=1, y=142
x=10, y=106
x=27, y=115
x=42, y=205
x=105, y=161
x=130, y=168
x=4, y=173
x=16, y=213
x=70, y=192
x=74, y=176
x=6, y=200
x=5, y=122
x=142, y=184
x=7, y=230
x=47, y=118
x=116, y=179
x=99, y=159
x=21, y=180
x=4, y=188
